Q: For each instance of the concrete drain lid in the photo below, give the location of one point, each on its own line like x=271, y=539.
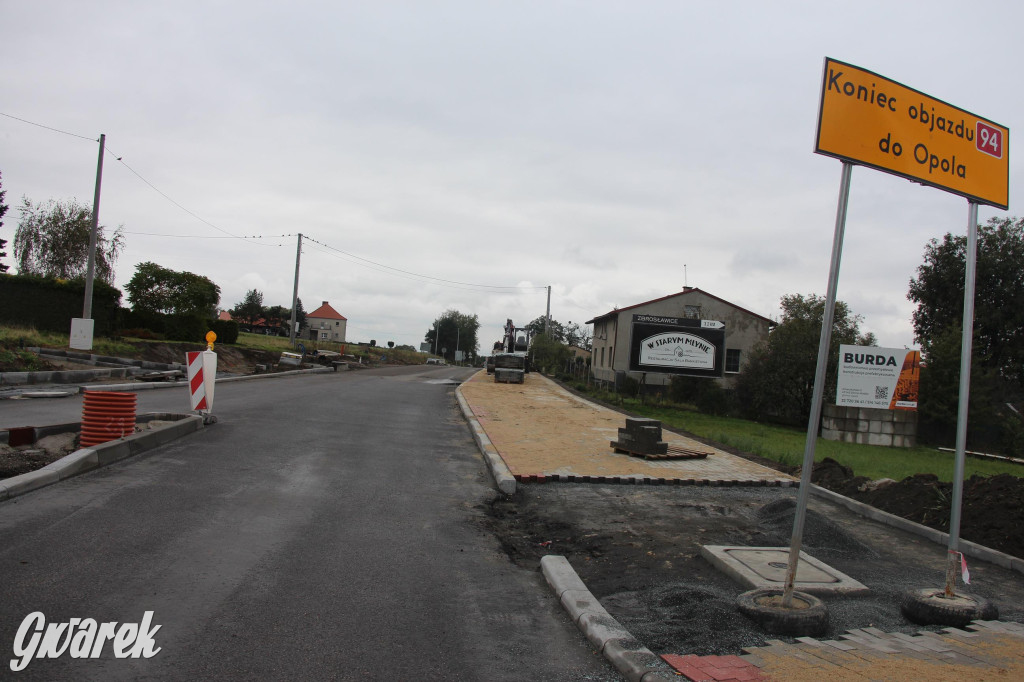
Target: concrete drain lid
x=765, y=567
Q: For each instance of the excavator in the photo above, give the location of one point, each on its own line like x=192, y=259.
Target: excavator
x=509, y=361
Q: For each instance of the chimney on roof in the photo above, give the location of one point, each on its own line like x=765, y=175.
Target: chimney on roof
x=325, y=302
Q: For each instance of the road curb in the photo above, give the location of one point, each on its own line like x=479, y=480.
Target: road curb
x=87, y=459
x=967, y=547
x=636, y=662
x=503, y=478
x=222, y=380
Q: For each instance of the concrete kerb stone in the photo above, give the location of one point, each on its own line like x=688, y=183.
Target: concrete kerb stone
x=19, y=485
x=503, y=478
x=86, y=459
x=223, y=380
x=970, y=549
x=580, y=603
x=560, y=575
x=631, y=658
x=75, y=463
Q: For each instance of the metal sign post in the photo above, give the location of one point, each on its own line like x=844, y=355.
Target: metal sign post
x=966, y=346
x=819, y=386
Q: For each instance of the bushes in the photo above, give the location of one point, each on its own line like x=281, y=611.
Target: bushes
x=226, y=330
x=706, y=395
x=50, y=304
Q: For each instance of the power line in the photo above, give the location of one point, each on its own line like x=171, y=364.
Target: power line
x=439, y=280
x=359, y=260
x=56, y=130
x=136, y=173
x=206, y=236
x=120, y=160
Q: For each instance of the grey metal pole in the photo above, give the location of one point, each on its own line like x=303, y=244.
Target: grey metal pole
x=547, y=315
x=966, y=346
x=295, y=290
x=90, y=272
x=457, y=330
x=819, y=386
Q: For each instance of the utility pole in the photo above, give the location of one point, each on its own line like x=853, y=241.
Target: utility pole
x=547, y=315
x=295, y=289
x=91, y=271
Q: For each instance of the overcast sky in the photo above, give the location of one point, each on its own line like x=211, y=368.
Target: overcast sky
x=596, y=147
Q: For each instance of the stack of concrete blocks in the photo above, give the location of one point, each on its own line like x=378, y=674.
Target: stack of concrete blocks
x=509, y=368
x=871, y=426
x=641, y=437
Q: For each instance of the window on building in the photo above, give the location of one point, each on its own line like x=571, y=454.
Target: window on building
x=732, y=360
x=611, y=356
x=323, y=336
x=601, y=364
x=692, y=311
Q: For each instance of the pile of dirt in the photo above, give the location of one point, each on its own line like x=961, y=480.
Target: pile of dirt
x=15, y=461
x=231, y=359
x=637, y=549
x=992, y=513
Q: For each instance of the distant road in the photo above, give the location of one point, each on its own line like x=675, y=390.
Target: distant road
x=326, y=528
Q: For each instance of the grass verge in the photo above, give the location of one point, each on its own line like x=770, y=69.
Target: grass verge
x=786, y=445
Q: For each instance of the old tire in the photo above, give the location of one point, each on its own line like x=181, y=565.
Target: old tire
x=807, y=618
x=931, y=606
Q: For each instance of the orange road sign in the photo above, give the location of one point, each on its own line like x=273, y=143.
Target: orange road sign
x=870, y=120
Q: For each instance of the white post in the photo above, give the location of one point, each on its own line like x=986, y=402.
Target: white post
x=966, y=346
x=819, y=387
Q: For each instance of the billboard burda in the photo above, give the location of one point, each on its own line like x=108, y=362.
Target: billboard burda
x=880, y=378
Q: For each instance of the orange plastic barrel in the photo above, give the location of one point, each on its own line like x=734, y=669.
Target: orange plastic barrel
x=107, y=416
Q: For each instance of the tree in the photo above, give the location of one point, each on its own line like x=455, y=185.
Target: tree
x=250, y=310
x=556, y=331
x=938, y=291
x=571, y=334
x=453, y=328
x=3, y=210
x=778, y=380
x=300, y=313
x=275, y=316
x=575, y=335
x=156, y=289
x=997, y=375
x=548, y=354
x=939, y=397
x=52, y=240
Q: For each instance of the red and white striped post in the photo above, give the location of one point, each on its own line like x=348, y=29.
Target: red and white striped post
x=202, y=375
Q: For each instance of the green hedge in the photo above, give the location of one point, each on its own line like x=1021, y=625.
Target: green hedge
x=180, y=327
x=50, y=304
x=226, y=330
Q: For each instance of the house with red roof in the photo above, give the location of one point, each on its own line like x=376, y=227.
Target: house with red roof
x=326, y=324
x=613, y=334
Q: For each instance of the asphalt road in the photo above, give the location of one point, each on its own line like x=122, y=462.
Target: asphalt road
x=328, y=527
